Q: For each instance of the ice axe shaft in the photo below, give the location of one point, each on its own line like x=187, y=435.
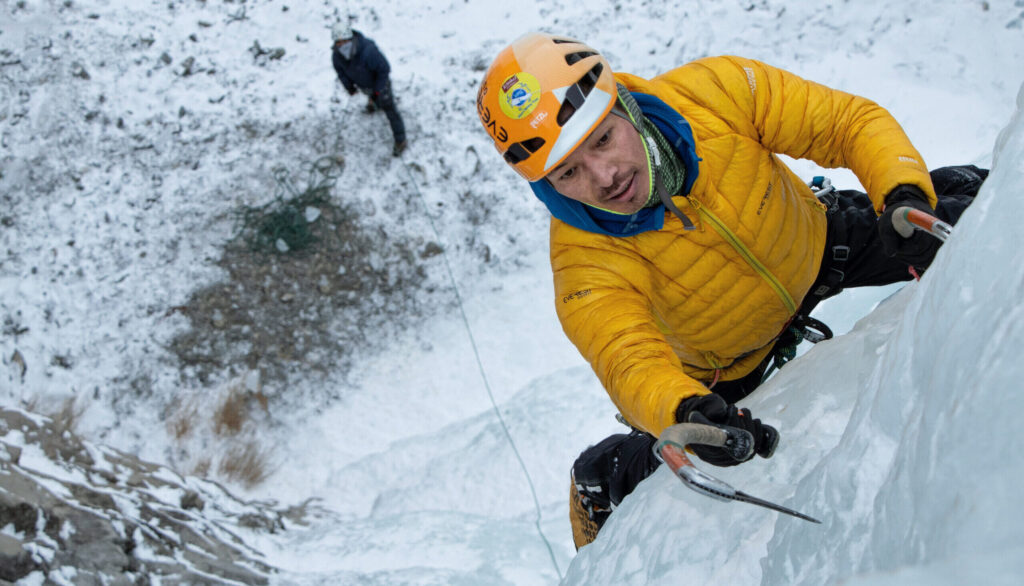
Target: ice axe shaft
x=671, y=449
x=907, y=219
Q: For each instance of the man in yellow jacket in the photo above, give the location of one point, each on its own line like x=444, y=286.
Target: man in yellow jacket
x=686, y=255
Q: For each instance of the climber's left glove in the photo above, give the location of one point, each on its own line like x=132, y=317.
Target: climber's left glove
x=712, y=409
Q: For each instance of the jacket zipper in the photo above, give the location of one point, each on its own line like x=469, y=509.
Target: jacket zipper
x=748, y=256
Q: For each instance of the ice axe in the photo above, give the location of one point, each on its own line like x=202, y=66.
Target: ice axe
x=907, y=219
x=671, y=449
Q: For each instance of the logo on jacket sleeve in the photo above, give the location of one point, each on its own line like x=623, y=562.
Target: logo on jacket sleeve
x=520, y=94
x=575, y=295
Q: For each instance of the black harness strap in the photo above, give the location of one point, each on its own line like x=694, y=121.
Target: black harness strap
x=828, y=283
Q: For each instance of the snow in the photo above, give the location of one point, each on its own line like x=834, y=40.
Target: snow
x=117, y=197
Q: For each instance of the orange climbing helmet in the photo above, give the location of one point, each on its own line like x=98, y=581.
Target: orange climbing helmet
x=542, y=96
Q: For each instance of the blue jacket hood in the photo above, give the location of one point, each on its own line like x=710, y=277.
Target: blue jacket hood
x=677, y=130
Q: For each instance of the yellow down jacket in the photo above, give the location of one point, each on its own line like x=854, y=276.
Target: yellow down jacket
x=661, y=313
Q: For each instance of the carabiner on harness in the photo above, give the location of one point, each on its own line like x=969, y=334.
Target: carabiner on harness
x=802, y=327
x=823, y=190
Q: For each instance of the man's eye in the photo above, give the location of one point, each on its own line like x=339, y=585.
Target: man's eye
x=604, y=138
x=567, y=174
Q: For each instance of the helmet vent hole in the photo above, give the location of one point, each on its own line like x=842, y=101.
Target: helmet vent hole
x=588, y=81
x=574, y=58
x=565, y=112
x=520, y=151
x=534, y=144
x=577, y=94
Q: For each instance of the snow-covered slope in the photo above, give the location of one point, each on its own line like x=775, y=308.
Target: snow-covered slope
x=133, y=133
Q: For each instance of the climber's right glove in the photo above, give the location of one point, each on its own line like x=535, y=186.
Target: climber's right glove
x=919, y=248
x=712, y=409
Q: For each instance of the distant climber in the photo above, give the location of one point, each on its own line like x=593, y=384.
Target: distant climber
x=361, y=66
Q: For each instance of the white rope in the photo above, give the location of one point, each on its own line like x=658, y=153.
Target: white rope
x=483, y=374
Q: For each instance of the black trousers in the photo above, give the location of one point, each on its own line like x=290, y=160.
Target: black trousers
x=385, y=100
x=854, y=257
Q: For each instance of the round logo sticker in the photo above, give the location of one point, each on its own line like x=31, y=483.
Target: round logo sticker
x=519, y=95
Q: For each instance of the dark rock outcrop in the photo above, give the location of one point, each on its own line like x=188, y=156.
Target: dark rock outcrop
x=72, y=511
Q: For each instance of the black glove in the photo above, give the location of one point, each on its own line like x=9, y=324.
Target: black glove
x=919, y=248
x=711, y=409
x=351, y=90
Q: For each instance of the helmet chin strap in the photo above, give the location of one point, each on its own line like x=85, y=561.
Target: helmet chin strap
x=667, y=200
x=619, y=111
x=657, y=193
x=650, y=146
x=653, y=196
x=627, y=108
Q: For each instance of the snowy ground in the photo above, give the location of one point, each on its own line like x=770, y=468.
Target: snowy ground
x=130, y=133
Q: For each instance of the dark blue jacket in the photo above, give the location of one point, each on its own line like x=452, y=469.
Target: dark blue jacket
x=367, y=69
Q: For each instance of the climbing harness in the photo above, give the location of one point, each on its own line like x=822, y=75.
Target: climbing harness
x=801, y=327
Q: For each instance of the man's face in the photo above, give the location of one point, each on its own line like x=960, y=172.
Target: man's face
x=608, y=170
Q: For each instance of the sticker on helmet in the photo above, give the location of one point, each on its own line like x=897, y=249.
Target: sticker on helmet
x=519, y=95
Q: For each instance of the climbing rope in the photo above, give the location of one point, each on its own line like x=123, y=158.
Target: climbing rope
x=483, y=373
x=281, y=225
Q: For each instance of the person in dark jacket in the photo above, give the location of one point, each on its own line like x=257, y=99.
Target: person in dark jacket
x=360, y=65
